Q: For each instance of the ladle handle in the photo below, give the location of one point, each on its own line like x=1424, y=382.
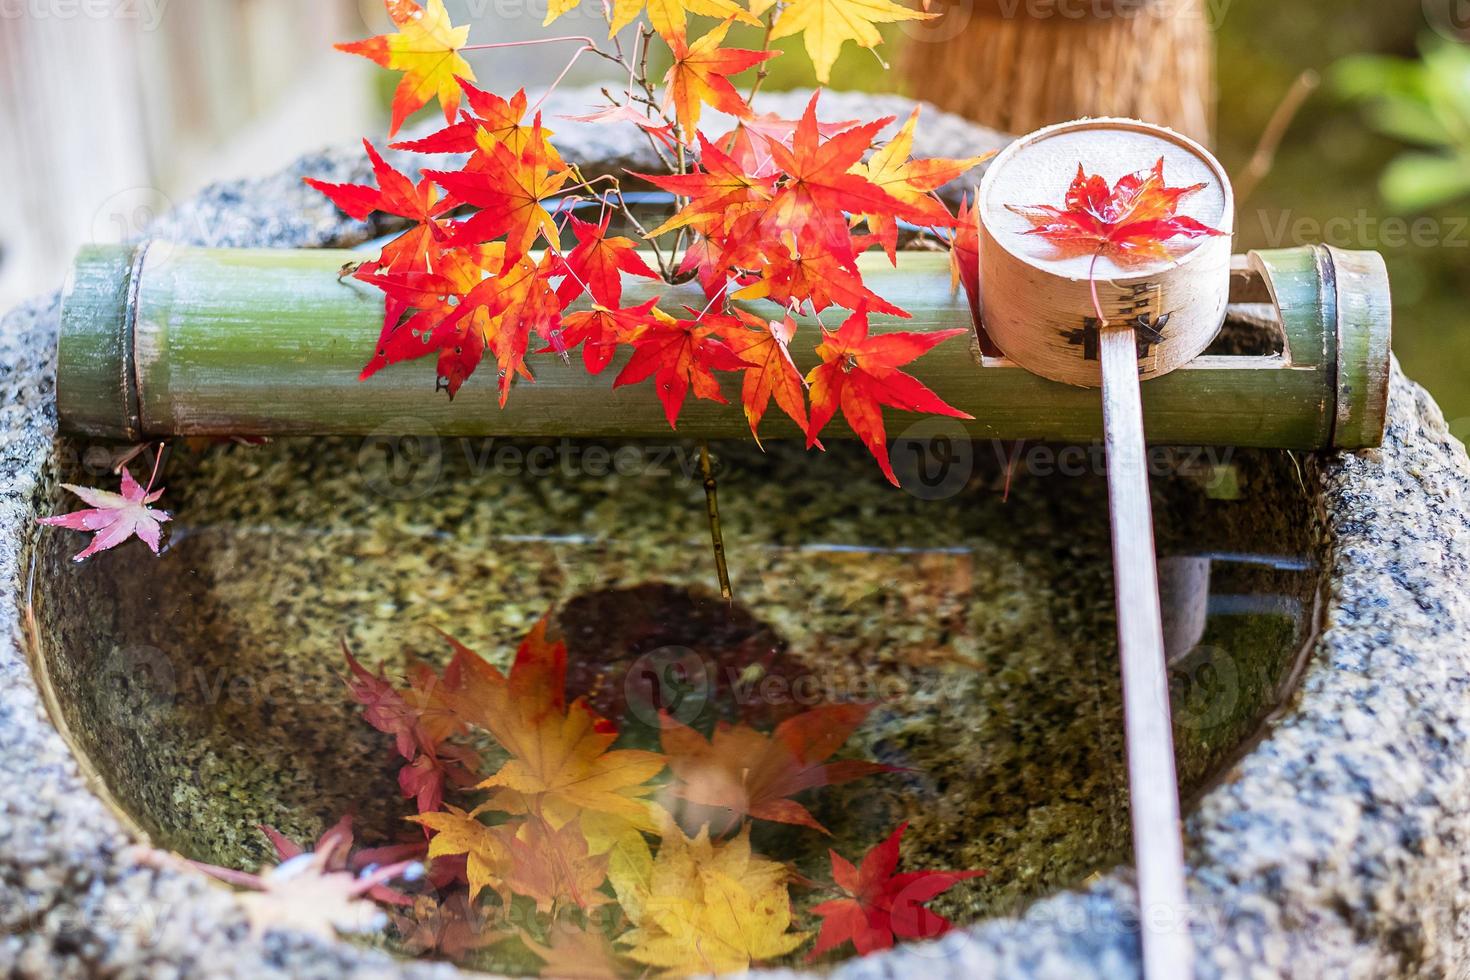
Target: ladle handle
x=1153, y=791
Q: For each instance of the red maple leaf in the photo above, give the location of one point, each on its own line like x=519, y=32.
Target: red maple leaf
x=115, y=517
x=679, y=355
x=499, y=315
x=1130, y=222
x=859, y=374
x=597, y=263
x=600, y=330
x=881, y=905
x=741, y=772
x=817, y=187
x=749, y=143
x=964, y=256
x=717, y=190
x=432, y=296
x=397, y=195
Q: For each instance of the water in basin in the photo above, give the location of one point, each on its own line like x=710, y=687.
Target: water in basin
x=204, y=688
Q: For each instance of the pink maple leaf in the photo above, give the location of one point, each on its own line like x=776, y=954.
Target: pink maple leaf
x=114, y=517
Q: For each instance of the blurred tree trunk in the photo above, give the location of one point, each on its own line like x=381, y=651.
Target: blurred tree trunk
x=1017, y=65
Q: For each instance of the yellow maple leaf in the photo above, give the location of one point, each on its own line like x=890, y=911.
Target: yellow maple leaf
x=426, y=49
x=487, y=853
x=828, y=23
x=668, y=17
x=703, y=907
x=911, y=182
x=560, y=765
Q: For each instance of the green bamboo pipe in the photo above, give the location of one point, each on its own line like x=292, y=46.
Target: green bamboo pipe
x=162, y=340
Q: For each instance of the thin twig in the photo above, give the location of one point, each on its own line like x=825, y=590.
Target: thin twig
x=1264, y=157
x=717, y=540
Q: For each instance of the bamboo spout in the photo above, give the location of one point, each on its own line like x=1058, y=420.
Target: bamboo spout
x=169, y=340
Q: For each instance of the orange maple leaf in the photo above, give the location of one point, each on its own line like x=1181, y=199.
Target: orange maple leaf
x=488, y=121
x=859, y=374
x=882, y=904
x=499, y=315
x=741, y=772
x=562, y=766
x=764, y=346
x=571, y=951
x=553, y=868
x=508, y=188
x=818, y=186
x=680, y=355
x=699, y=76
x=716, y=191
x=426, y=49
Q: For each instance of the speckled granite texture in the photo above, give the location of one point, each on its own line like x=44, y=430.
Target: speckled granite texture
x=1338, y=847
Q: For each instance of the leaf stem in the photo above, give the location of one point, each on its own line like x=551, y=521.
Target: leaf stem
x=157, y=462
x=1102, y=320
x=712, y=506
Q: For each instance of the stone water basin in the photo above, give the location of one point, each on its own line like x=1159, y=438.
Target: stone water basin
x=176, y=702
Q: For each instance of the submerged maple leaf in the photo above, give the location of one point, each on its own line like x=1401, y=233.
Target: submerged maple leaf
x=881, y=904
x=860, y=375
x=741, y=772
x=453, y=928
x=574, y=952
x=114, y=517
x=707, y=908
x=1132, y=221
x=562, y=766
x=426, y=49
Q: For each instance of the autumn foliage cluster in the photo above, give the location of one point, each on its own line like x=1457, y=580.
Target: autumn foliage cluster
x=623, y=859
x=498, y=266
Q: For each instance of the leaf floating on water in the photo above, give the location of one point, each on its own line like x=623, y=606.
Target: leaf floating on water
x=317, y=892
x=881, y=904
x=114, y=517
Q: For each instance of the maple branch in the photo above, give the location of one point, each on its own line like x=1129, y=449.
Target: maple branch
x=1264, y=157
x=587, y=42
x=712, y=506
x=764, y=68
